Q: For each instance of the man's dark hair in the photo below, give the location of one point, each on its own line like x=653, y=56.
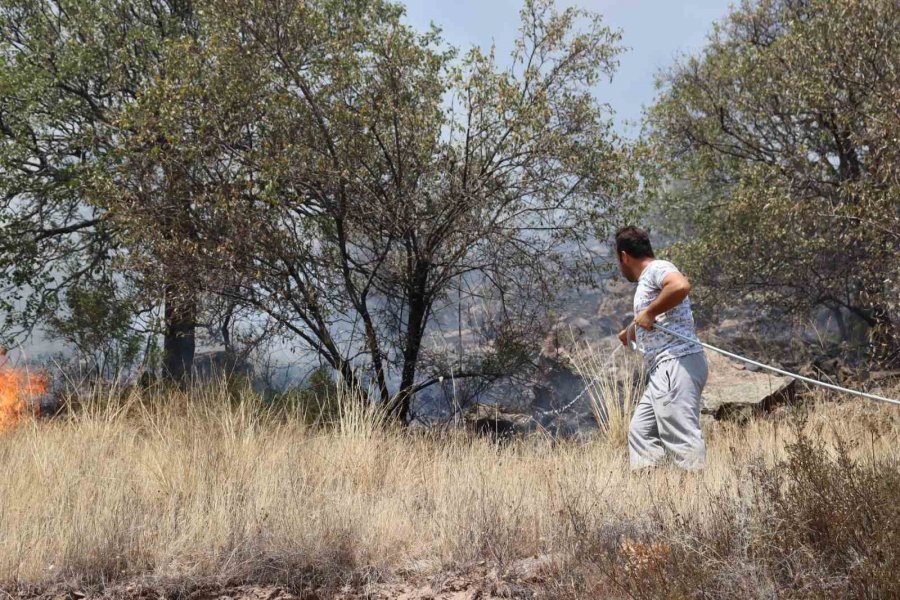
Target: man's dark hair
x=635, y=241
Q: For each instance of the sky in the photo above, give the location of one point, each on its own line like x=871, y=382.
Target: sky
x=655, y=33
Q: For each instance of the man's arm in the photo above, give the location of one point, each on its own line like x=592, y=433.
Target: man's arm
x=675, y=288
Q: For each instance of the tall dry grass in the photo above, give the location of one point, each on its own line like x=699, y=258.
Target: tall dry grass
x=614, y=385
x=215, y=485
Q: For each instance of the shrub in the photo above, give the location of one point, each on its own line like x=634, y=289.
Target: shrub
x=816, y=524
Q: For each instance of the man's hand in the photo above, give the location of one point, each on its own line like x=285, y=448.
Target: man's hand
x=645, y=319
x=623, y=337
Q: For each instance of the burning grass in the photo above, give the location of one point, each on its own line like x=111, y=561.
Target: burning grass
x=18, y=388
x=215, y=488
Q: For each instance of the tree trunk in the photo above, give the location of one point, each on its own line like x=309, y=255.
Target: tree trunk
x=178, y=343
x=415, y=331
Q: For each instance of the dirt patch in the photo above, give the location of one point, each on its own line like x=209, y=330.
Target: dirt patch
x=526, y=578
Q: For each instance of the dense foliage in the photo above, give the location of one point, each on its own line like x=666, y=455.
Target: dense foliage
x=776, y=152
x=321, y=165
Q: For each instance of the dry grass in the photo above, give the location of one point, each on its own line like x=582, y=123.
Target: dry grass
x=615, y=384
x=215, y=487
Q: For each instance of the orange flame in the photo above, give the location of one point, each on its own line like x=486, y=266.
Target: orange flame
x=17, y=388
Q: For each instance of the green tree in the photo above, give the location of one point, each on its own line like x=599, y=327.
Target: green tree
x=173, y=169
x=97, y=322
x=780, y=142
x=68, y=71
x=389, y=177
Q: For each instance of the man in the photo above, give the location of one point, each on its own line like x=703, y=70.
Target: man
x=668, y=415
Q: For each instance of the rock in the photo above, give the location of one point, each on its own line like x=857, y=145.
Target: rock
x=496, y=428
x=559, y=386
x=733, y=391
x=884, y=375
x=493, y=422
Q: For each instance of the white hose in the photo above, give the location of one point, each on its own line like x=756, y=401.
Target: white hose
x=830, y=386
x=632, y=343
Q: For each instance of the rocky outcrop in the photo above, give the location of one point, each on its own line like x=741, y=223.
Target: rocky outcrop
x=735, y=392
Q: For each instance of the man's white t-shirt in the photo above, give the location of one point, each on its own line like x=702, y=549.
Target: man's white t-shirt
x=655, y=345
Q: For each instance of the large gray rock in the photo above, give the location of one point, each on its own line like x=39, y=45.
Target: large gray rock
x=734, y=391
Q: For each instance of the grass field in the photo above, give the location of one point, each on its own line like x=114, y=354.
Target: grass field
x=213, y=488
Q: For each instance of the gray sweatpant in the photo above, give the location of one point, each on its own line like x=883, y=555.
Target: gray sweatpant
x=668, y=415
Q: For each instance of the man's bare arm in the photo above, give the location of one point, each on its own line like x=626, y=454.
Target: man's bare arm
x=675, y=288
